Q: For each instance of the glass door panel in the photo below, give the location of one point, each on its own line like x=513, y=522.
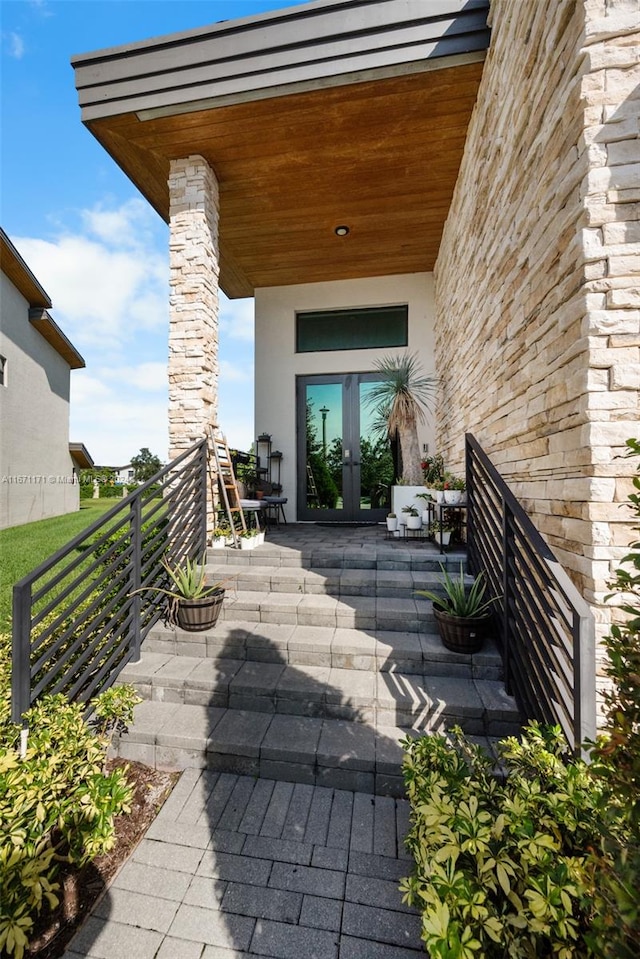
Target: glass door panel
x=376, y=461
x=344, y=464
x=323, y=478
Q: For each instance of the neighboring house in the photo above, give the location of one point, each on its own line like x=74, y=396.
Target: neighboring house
x=382, y=174
x=37, y=476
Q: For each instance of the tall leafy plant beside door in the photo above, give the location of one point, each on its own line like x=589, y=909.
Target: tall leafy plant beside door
x=402, y=398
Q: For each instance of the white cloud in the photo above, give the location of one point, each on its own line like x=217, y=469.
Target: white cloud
x=15, y=44
x=237, y=318
x=235, y=372
x=108, y=280
x=148, y=377
x=100, y=295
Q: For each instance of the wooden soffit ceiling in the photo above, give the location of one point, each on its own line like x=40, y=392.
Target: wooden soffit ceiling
x=380, y=157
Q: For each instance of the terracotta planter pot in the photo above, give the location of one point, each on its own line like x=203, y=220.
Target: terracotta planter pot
x=196, y=615
x=461, y=635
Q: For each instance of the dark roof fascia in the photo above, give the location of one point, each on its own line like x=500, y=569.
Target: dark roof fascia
x=46, y=325
x=81, y=456
x=15, y=268
x=315, y=45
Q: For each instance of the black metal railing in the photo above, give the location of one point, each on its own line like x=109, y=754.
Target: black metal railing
x=78, y=618
x=544, y=626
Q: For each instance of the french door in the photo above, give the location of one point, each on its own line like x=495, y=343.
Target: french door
x=345, y=467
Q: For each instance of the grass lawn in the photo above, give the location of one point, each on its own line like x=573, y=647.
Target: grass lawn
x=22, y=548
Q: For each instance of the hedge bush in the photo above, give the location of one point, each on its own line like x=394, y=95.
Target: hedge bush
x=541, y=855
x=502, y=862
x=57, y=804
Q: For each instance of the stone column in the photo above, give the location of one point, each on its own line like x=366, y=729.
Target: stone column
x=193, y=331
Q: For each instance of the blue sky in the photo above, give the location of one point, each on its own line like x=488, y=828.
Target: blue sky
x=94, y=244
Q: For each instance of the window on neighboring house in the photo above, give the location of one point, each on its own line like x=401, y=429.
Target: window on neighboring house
x=3, y=371
x=362, y=329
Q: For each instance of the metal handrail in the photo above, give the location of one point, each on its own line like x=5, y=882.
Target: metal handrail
x=545, y=628
x=77, y=618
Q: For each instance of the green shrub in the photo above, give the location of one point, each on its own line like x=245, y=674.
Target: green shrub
x=57, y=804
x=616, y=757
x=502, y=864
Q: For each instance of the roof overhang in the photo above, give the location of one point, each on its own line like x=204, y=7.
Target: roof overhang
x=46, y=325
x=333, y=112
x=81, y=456
x=17, y=271
x=15, y=268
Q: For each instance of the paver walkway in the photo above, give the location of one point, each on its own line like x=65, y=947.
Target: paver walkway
x=239, y=866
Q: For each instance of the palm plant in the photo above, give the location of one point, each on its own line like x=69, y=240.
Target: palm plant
x=400, y=399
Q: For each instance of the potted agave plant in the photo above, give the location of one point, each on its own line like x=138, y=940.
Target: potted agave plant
x=193, y=605
x=462, y=613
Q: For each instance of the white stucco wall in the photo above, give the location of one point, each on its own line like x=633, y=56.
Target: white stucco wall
x=36, y=470
x=277, y=363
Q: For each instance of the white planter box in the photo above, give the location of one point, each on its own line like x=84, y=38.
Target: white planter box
x=392, y=524
x=406, y=496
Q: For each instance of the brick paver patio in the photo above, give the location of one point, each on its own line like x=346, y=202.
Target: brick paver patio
x=241, y=866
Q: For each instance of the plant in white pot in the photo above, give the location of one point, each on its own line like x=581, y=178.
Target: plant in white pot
x=432, y=472
x=413, y=518
x=194, y=605
x=453, y=488
x=392, y=522
x=426, y=512
x=462, y=613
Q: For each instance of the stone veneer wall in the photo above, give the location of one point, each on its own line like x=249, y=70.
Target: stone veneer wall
x=537, y=303
x=193, y=331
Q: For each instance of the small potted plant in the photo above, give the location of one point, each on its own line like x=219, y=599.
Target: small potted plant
x=220, y=537
x=392, y=522
x=453, y=488
x=428, y=497
x=248, y=539
x=432, y=472
x=414, y=520
x=442, y=532
x=462, y=613
x=193, y=605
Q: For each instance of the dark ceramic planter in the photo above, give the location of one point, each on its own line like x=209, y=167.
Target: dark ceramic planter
x=196, y=615
x=461, y=635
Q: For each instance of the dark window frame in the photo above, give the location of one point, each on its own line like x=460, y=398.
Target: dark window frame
x=398, y=314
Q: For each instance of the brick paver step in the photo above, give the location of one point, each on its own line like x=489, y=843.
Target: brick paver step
x=316, y=609
x=421, y=701
x=299, y=749
x=383, y=555
x=399, y=583
x=408, y=652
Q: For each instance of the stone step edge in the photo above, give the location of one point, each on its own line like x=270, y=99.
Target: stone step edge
x=290, y=748
x=332, y=581
x=480, y=706
x=322, y=646
x=404, y=559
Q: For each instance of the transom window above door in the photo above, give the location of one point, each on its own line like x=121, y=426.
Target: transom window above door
x=355, y=329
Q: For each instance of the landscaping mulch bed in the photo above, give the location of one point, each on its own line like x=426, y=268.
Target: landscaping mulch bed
x=81, y=888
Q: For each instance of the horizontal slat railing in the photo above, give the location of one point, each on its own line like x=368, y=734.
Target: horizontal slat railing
x=77, y=618
x=545, y=628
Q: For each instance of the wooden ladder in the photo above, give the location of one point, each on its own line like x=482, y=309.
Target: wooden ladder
x=227, y=483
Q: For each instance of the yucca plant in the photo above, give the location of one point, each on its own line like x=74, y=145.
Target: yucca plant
x=189, y=580
x=460, y=599
x=399, y=401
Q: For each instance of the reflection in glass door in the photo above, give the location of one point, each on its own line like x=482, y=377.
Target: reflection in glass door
x=345, y=468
